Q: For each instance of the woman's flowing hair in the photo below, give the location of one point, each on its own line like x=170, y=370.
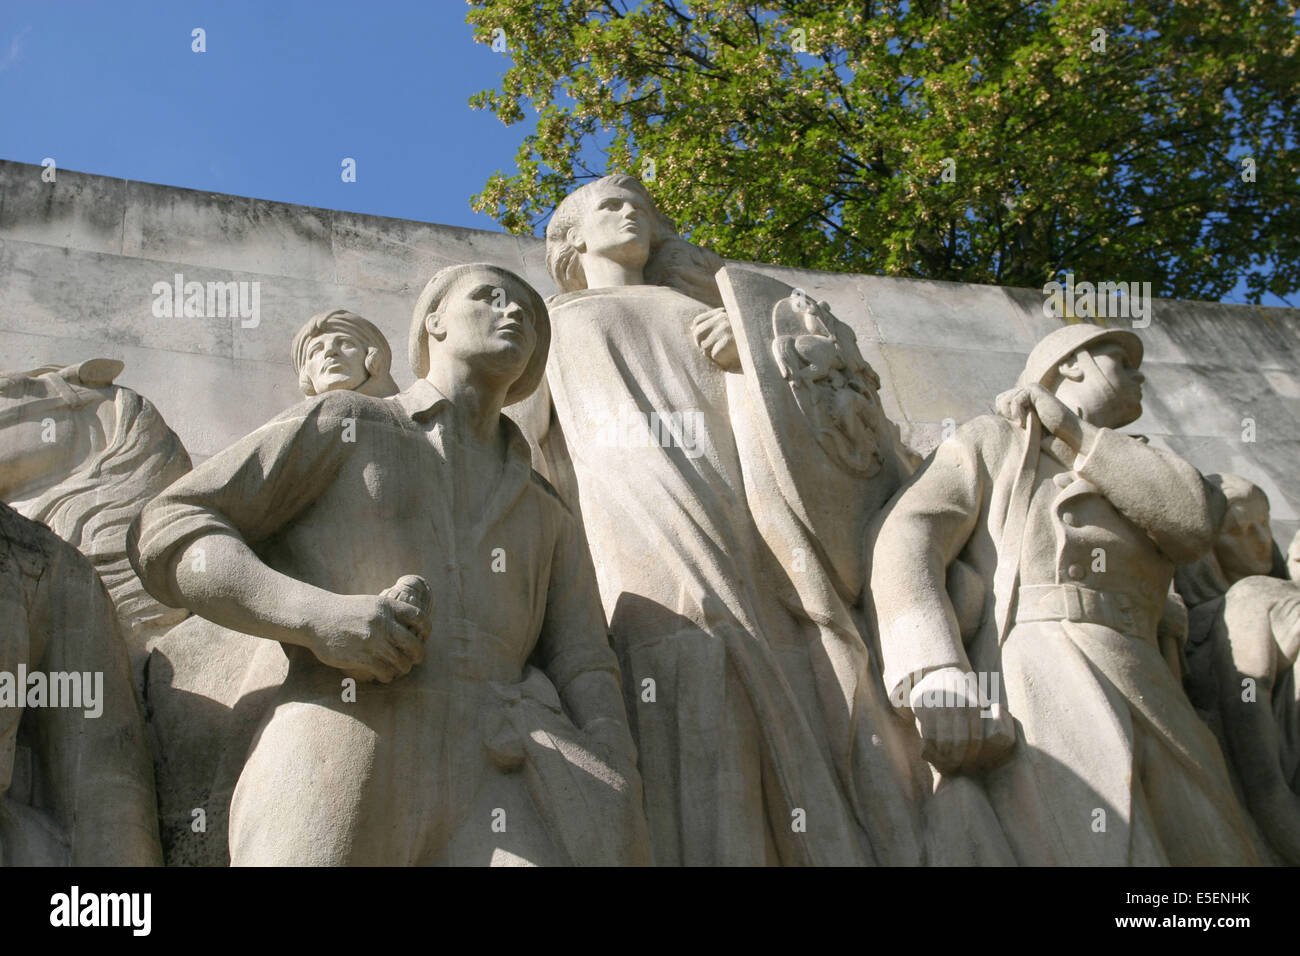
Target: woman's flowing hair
x=673, y=261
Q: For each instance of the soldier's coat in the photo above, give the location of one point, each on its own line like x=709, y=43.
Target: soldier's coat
x=1111, y=764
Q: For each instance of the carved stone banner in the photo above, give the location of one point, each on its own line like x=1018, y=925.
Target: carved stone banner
x=820, y=455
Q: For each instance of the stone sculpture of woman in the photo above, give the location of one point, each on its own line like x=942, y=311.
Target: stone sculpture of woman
x=742, y=696
x=338, y=349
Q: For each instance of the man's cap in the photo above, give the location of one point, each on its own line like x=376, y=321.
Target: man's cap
x=436, y=290
x=1065, y=341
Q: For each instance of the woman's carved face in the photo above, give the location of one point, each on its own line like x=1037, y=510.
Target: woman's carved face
x=1245, y=545
x=616, y=225
x=336, y=360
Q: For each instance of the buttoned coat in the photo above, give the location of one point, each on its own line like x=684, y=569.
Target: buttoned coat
x=1111, y=764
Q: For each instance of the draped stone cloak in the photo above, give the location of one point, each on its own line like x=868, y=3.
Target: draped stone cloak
x=738, y=759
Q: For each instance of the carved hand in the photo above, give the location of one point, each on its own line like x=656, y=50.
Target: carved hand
x=713, y=335
x=1052, y=412
x=371, y=637
x=955, y=738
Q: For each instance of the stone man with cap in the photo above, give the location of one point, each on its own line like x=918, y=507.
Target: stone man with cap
x=338, y=349
x=451, y=695
x=1096, y=756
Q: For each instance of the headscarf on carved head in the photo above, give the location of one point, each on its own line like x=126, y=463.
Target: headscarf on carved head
x=379, y=355
x=431, y=299
x=673, y=261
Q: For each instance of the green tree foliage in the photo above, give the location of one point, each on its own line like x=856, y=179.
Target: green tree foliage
x=1101, y=137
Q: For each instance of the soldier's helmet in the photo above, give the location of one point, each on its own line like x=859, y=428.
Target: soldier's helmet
x=1040, y=367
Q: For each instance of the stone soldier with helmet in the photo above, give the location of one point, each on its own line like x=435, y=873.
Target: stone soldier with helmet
x=1074, y=530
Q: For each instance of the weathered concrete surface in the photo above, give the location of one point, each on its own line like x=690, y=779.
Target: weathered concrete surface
x=79, y=258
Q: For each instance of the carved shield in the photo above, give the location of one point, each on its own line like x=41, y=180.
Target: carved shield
x=819, y=460
x=819, y=453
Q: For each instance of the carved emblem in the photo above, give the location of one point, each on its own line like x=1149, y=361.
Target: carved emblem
x=833, y=385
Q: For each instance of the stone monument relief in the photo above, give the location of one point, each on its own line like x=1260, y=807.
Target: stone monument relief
x=1242, y=646
x=76, y=778
x=1075, y=530
x=696, y=601
x=475, y=679
x=339, y=349
x=82, y=456
x=742, y=671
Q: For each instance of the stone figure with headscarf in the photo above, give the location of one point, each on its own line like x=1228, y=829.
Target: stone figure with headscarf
x=338, y=349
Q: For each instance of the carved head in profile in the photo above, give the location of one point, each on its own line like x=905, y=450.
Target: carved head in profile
x=1093, y=370
x=485, y=318
x=615, y=218
x=1244, y=546
x=341, y=350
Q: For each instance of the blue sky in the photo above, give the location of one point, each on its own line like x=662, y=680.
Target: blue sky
x=285, y=91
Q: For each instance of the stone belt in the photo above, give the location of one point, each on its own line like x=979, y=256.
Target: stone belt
x=1075, y=603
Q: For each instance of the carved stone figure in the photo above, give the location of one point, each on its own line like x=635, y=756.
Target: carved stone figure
x=1074, y=529
x=76, y=778
x=834, y=387
x=1243, y=547
x=472, y=716
x=82, y=456
x=1253, y=645
x=338, y=349
x=209, y=686
x=695, y=412
x=1241, y=653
